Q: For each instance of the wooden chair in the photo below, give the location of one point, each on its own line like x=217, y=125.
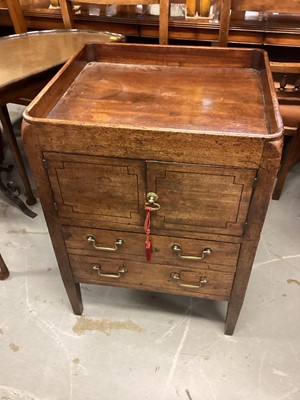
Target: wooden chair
x=290, y=158
x=16, y=15
x=67, y=12
x=289, y=99
x=287, y=82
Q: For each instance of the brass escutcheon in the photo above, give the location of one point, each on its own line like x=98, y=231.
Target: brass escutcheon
x=151, y=201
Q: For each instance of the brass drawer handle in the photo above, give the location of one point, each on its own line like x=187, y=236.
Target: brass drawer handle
x=118, y=242
x=203, y=281
x=121, y=272
x=205, y=252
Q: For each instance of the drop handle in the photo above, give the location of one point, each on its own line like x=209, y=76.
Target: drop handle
x=205, y=253
x=118, y=242
x=122, y=271
x=203, y=281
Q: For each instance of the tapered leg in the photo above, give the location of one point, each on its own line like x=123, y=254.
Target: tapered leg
x=4, y=272
x=31, y=145
x=233, y=312
x=12, y=142
x=74, y=294
x=256, y=215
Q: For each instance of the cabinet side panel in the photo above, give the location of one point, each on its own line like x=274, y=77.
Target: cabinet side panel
x=34, y=155
x=257, y=213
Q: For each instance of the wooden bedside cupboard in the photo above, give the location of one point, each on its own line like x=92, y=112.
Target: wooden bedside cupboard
x=155, y=166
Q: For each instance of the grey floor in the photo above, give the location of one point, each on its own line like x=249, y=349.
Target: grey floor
x=140, y=345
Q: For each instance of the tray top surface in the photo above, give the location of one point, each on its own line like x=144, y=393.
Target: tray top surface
x=165, y=97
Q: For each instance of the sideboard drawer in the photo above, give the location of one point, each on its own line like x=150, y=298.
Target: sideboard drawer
x=200, y=282
x=165, y=249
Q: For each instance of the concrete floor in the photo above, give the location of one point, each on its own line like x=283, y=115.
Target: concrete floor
x=138, y=345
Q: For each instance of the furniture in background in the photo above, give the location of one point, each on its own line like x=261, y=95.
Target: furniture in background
x=31, y=59
x=291, y=156
x=7, y=66
x=16, y=15
x=287, y=82
x=141, y=187
x=228, y=7
x=67, y=12
x=261, y=29
x=288, y=95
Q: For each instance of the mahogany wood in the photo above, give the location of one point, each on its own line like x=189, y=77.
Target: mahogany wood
x=223, y=257
x=140, y=276
x=94, y=169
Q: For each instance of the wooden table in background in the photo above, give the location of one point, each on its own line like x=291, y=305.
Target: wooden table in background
x=28, y=61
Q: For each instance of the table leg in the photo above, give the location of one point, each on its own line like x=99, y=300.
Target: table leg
x=4, y=272
x=1, y=148
x=12, y=142
x=12, y=192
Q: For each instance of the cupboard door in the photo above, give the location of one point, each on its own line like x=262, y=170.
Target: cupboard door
x=97, y=188
x=199, y=198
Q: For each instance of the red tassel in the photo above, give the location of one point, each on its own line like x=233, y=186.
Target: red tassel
x=147, y=231
x=148, y=250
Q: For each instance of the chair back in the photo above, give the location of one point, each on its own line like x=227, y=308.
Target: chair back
x=67, y=12
x=16, y=15
x=287, y=91
x=289, y=7
x=287, y=73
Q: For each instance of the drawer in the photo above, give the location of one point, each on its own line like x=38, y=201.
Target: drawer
x=199, y=282
x=165, y=249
